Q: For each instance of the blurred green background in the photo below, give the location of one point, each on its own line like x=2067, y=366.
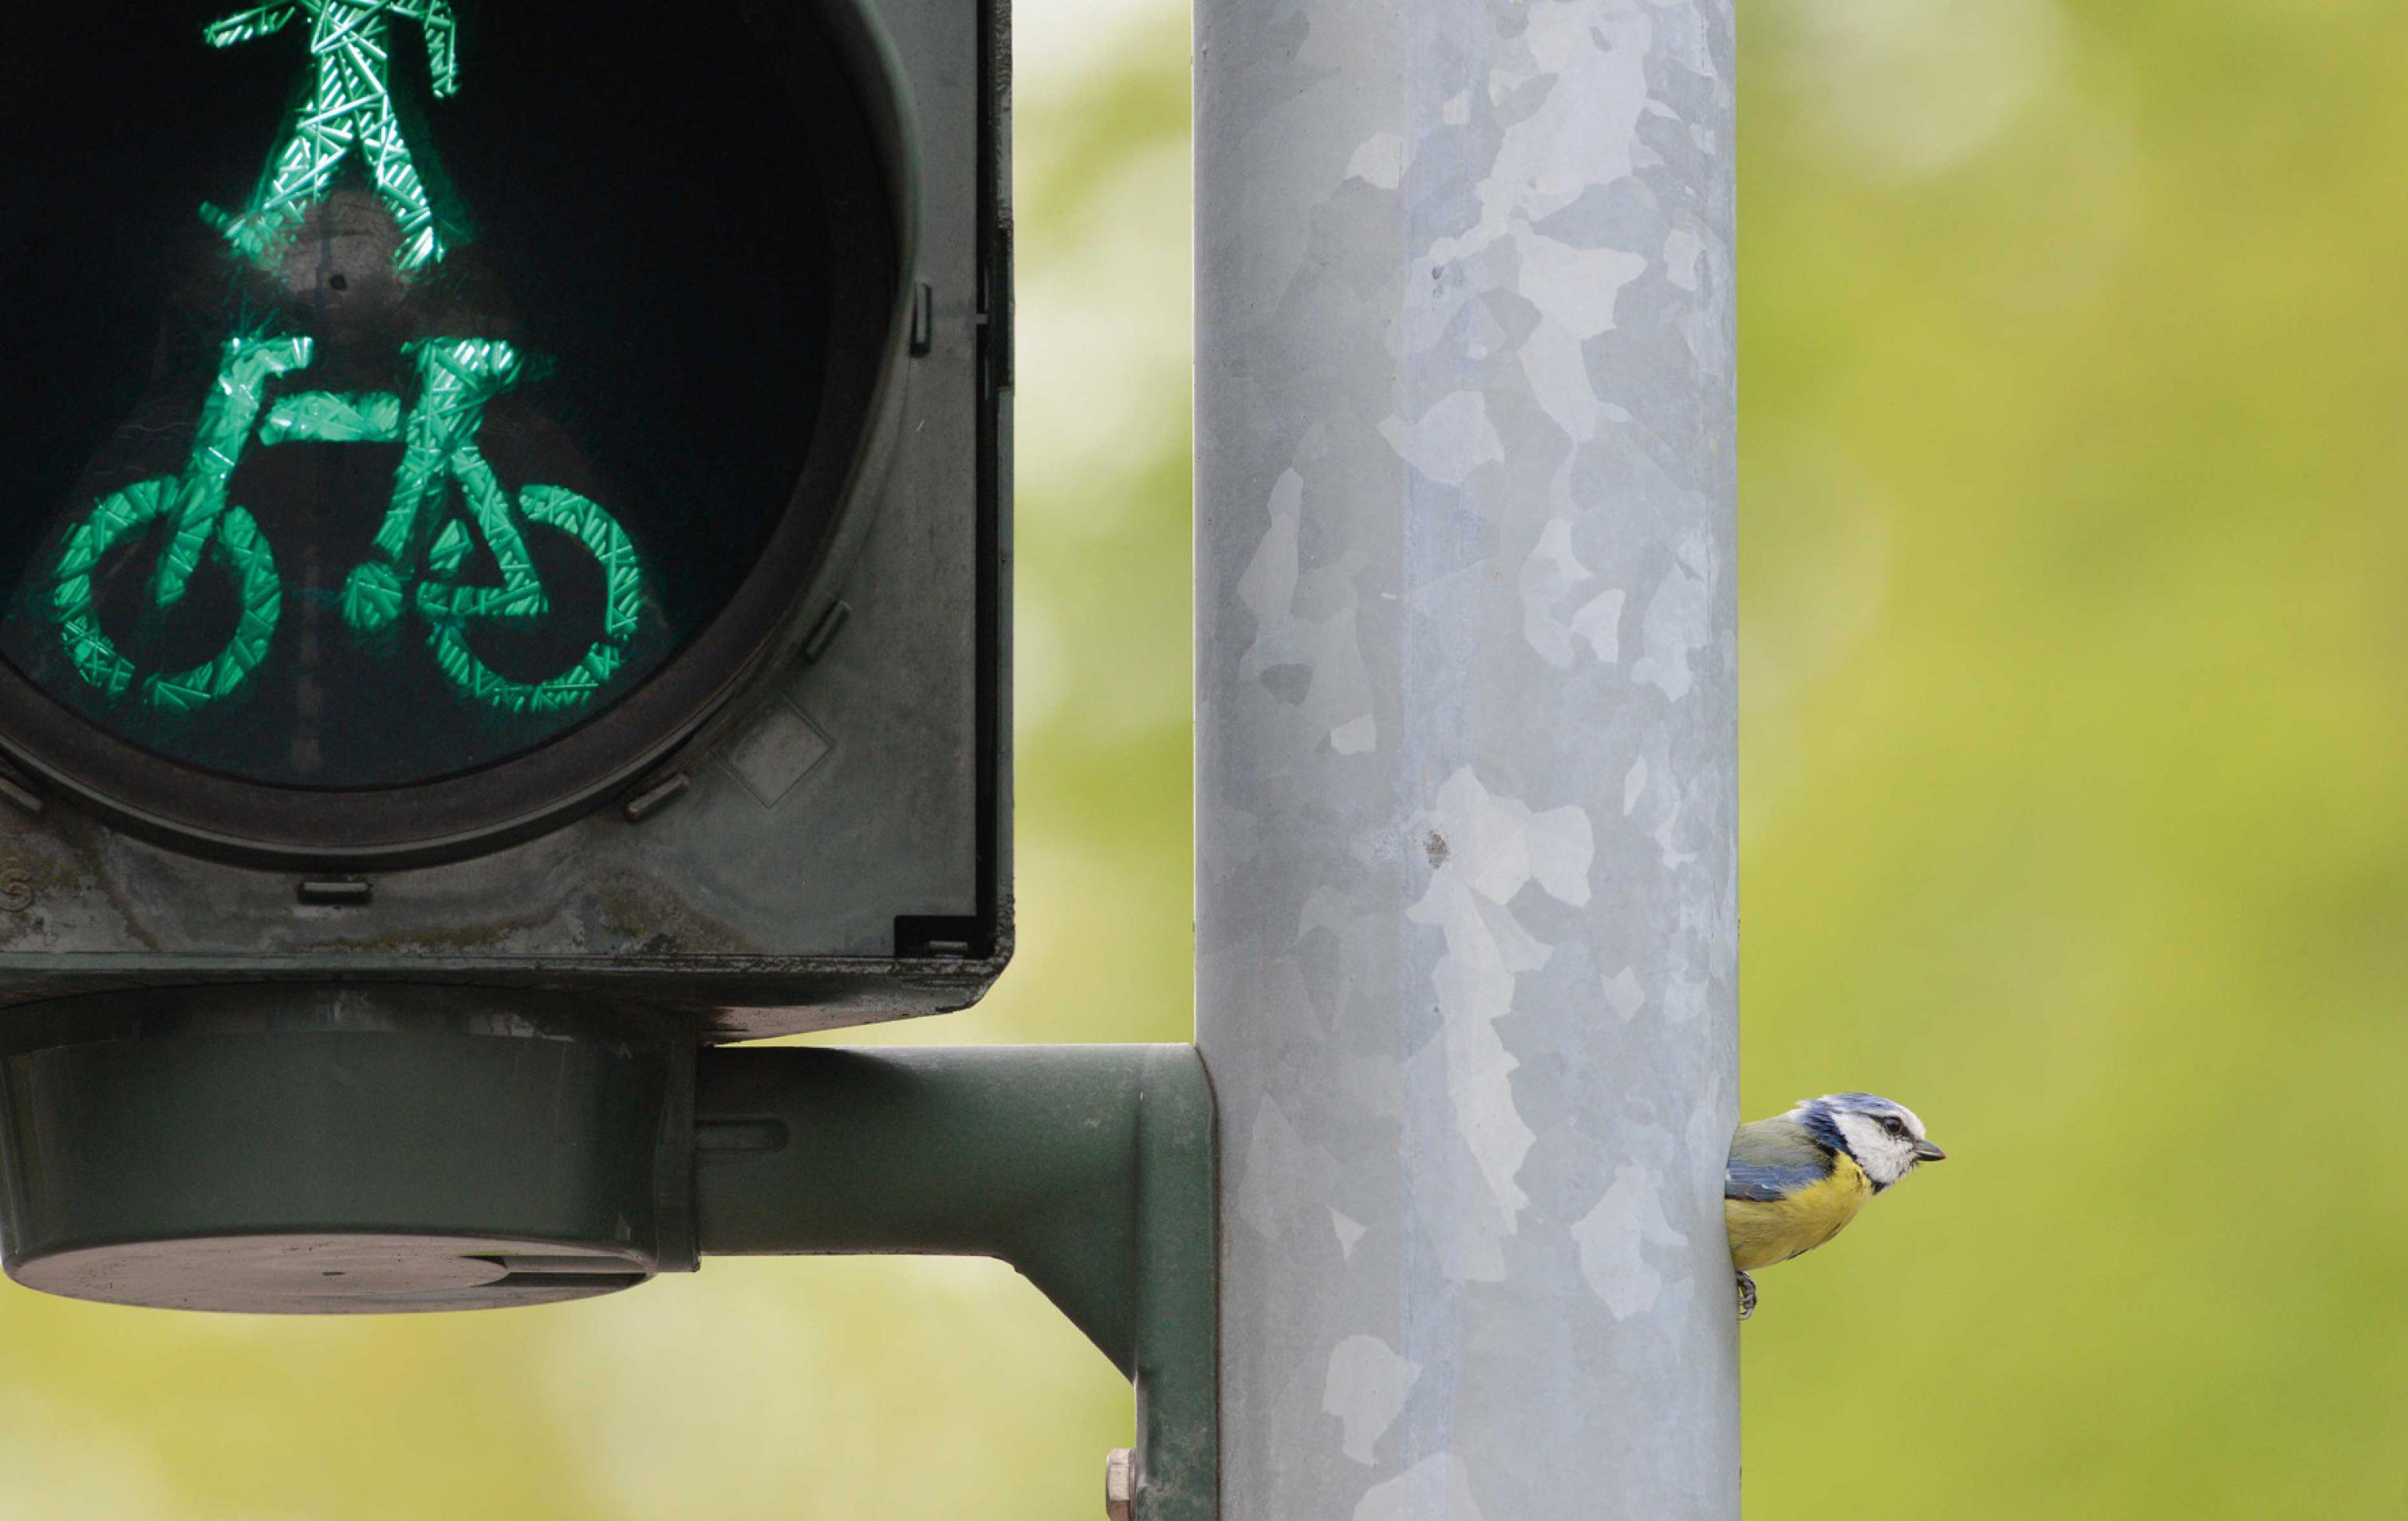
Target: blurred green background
x=2074, y=750
x=2075, y=746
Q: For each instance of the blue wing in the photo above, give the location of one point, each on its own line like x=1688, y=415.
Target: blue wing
x=1766, y=1185
x=1773, y=1159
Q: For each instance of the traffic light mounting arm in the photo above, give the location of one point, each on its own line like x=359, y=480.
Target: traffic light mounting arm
x=1089, y=1169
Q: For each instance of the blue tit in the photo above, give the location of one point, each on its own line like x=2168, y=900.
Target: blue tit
x=1796, y=1179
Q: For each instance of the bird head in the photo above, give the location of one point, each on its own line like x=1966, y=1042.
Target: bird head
x=1886, y=1139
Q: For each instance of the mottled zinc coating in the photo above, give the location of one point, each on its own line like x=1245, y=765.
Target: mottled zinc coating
x=1466, y=931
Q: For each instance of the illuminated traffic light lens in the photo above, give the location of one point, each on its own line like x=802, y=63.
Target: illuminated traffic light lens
x=394, y=386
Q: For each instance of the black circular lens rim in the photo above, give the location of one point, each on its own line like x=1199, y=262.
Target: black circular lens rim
x=849, y=88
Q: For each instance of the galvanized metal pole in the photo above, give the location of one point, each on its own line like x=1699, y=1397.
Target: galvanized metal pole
x=1467, y=884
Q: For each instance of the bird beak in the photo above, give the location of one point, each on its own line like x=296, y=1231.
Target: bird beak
x=1926, y=1152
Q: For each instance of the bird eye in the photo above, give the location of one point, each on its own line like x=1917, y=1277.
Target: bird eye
x=1892, y=1124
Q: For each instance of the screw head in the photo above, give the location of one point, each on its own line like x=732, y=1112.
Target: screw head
x=1120, y=1485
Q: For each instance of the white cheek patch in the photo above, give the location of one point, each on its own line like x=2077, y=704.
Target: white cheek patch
x=1864, y=1136
x=1897, y=1160
x=1884, y=1157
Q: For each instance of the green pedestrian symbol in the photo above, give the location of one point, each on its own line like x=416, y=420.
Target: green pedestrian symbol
x=350, y=108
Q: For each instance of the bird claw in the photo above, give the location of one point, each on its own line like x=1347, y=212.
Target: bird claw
x=1746, y=1296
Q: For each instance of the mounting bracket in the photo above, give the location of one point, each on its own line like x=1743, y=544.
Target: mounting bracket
x=1090, y=1169
x=377, y=1149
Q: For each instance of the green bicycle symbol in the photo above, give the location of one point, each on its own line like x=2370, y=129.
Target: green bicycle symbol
x=414, y=565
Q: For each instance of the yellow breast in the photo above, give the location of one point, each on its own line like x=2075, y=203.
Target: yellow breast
x=1762, y=1234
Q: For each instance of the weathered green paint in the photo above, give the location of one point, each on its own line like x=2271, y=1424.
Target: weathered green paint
x=1090, y=1169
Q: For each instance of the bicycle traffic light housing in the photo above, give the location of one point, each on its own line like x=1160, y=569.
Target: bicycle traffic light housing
x=506, y=516
x=510, y=494
x=504, y=587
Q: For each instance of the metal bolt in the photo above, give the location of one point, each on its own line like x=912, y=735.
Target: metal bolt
x=1120, y=1485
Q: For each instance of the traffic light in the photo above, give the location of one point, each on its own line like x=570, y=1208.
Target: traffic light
x=505, y=590
x=510, y=493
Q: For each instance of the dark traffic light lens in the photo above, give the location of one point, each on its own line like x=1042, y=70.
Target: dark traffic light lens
x=393, y=391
